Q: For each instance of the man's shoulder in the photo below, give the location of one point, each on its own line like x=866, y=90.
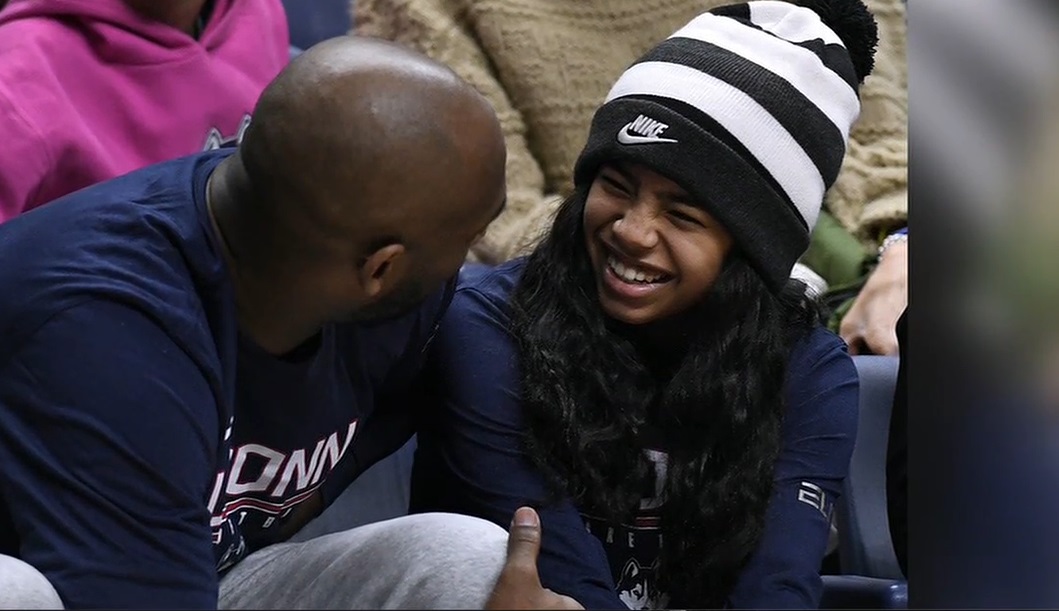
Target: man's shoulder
x=137, y=240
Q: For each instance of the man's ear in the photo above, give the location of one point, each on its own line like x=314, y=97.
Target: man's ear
x=377, y=271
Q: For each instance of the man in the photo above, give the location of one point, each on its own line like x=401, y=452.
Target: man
x=197, y=357
x=93, y=90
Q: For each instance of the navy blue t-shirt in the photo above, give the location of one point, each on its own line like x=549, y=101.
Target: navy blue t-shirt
x=470, y=460
x=146, y=445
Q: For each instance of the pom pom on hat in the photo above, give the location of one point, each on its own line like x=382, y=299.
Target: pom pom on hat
x=854, y=24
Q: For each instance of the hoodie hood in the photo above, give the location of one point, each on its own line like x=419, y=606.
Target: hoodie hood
x=119, y=34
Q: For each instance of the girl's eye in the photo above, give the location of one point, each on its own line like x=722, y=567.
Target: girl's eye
x=614, y=184
x=684, y=217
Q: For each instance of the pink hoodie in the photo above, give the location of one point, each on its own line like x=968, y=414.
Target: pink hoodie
x=90, y=90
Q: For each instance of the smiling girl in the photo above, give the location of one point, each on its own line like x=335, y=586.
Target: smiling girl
x=650, y=378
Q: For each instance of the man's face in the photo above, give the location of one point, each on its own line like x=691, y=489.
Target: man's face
x=432, y=264
x=403, y=300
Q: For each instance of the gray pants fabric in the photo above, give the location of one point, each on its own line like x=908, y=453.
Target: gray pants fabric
x=423, y=561
x=24, y=587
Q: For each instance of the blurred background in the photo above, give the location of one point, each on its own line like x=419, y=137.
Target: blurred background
x=984, y=356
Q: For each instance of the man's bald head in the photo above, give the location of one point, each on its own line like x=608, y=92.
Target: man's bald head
x=359, y=133
x=359, y=144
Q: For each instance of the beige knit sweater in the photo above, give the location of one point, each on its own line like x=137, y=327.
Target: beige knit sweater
x=546, y=65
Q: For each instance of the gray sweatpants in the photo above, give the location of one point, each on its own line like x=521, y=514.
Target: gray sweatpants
x=23, y=587
x=423, y=561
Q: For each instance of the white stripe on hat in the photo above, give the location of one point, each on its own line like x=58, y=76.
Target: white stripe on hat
x=799, y=66
x=749, y=122
x=794, y=24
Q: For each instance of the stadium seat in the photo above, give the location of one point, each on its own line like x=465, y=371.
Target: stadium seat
x=865, y=547
x=856, y=592
x=871, y=578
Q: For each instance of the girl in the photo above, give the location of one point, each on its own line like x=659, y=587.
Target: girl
x=650, y=378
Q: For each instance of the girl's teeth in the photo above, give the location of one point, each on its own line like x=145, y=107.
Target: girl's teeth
x=630, y=274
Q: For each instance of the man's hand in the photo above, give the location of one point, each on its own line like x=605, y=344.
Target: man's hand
x=870, y=326
x=519, y=586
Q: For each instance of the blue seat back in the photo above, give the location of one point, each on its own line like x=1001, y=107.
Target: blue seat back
x=865, y=546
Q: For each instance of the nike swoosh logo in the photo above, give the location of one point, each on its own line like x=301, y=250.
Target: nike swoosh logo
x=625, y=137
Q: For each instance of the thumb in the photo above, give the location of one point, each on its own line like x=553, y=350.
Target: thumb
x=524, y=541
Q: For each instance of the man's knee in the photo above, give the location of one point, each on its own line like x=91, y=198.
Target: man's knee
x=421, y=561
x=457, y=559
x=24, y=587
x=456, y=540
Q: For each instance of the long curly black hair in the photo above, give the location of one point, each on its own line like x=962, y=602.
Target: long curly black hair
x=589, y=388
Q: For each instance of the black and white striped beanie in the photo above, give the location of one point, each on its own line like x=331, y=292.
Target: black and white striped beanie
x=749, y=108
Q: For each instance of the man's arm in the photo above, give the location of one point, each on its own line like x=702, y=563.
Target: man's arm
x=395, y=372
x=108, y=439
x=470, y=460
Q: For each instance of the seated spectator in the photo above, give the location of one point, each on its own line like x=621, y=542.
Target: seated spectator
x=546, y=65
x=650, y=377
x=93, y=90
x=196, y=358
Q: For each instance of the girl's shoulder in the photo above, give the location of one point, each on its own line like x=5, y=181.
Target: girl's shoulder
x=816, y=344
x=480, y=310
x=490, y=284
x=821, y=380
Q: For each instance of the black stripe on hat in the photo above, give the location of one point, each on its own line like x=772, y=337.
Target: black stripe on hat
x=835, y=57
x=739, y=11
x=715, y=129
x=818, y=136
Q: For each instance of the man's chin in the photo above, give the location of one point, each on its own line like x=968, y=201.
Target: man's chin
x=383, y=317
x=394, y=308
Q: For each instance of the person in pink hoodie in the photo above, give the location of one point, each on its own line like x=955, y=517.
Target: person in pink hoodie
x=90, y=90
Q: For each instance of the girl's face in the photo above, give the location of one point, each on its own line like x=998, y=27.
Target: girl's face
x=655, y=253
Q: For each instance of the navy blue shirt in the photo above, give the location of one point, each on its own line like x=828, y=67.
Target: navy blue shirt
x=471, y=461
x=146, y=445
